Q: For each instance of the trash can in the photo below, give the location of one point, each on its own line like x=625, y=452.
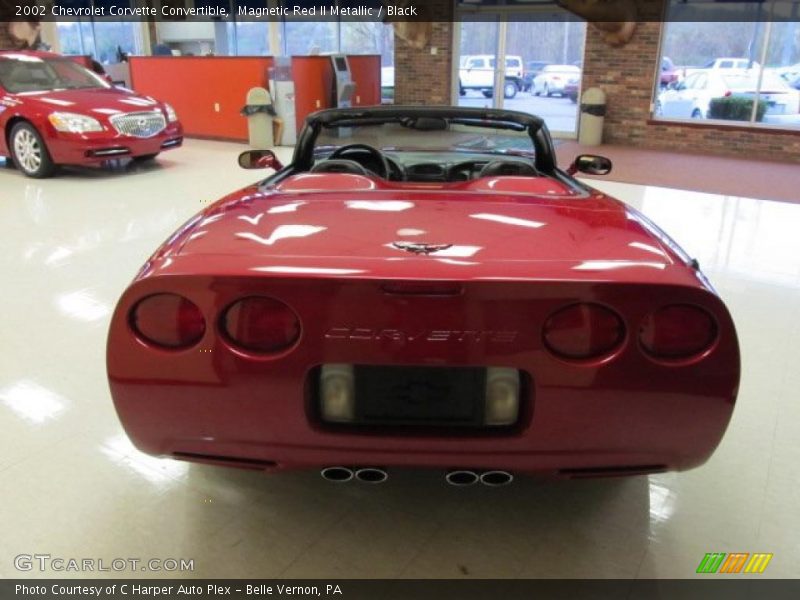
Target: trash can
x=593, y=112
x=259, y=112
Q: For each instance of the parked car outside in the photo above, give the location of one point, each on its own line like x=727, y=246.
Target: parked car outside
x=732, y=63
x=532, y=69
x=690, y=99
x=669, y=74
x=571, y=89
x=719, y=64
x=477, y=73
x=791, y=74
x=553, y=79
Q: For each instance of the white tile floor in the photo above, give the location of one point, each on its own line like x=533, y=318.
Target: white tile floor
x=72, y=486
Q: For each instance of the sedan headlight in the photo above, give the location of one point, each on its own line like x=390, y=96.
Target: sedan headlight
x=172, y=116
x=74, y=123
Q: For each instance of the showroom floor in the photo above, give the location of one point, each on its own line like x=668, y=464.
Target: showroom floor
x=72, y=486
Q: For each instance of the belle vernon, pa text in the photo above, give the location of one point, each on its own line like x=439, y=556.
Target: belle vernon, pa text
x=190, y=591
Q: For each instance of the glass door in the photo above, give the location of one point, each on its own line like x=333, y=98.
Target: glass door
x=476, y=63
x=541, y=72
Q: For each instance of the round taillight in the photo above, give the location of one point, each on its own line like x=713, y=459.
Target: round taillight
x=260, y=324
x=583, y=331
x=677, y=331
x=168, y=320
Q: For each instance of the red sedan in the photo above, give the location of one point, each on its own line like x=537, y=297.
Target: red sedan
x=424, y=287
x=56, y=112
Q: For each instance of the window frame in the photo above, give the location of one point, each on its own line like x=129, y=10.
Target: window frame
x=719, y=124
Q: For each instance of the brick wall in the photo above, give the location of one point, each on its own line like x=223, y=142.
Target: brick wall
x=422, y=77
x=627, y=75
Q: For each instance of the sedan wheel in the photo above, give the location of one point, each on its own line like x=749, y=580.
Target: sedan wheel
x=29, y=152
x=546, y=90
x=696, y=114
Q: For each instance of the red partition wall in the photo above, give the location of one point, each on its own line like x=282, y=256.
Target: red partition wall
x=313, y=85
x=366, y=73
x=207, y=92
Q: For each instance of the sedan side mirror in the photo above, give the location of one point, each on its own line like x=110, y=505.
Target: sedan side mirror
x=259, y=159
x=591, y=164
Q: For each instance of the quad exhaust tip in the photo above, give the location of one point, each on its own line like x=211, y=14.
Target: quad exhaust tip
x=372, y=475
x=455, y=477
x=366, y=474
x=466, y=477
x=496, y=478
x=337, y=474
x=462, y=477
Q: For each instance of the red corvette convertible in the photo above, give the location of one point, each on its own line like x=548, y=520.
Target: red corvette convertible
x=56, y=112
x=424, y=287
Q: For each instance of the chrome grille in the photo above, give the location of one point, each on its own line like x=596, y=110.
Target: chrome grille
x=140, y=125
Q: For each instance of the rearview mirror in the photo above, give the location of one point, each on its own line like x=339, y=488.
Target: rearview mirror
x=591, y=164
x=259, y=159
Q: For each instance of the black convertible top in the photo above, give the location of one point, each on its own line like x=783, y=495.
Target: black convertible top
x=392, y=112
x=545, y=159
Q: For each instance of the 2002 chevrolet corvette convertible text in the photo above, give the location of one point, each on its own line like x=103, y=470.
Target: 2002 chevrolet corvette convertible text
x=424, y=287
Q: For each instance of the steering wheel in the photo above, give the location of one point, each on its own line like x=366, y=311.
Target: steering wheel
x=380, y=159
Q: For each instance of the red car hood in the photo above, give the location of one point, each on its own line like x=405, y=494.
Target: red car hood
x=94, y=102
x=345, y=227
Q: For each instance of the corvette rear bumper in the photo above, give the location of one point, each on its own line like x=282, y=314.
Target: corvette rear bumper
x=564, y=464
x=565, y=432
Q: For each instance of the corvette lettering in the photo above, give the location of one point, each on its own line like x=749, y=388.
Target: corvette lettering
x=365, y=334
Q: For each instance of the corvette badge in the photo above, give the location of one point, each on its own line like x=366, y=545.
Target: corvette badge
x=420, y=247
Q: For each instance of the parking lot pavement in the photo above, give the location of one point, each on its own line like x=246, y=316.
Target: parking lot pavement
x=559, y=113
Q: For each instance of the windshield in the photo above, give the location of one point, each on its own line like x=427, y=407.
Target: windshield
x=430, y=135
x=23, y=73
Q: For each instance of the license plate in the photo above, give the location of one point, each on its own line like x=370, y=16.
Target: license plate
x=420, y=395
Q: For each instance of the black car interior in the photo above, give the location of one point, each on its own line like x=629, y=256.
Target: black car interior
x=362, y=159
x=471, y=159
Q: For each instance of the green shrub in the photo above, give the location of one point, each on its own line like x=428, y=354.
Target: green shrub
x=735, y=108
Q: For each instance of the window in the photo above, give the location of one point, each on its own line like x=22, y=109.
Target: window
x=113, y=36
x=75, y=37
x=310, y=37
x=741, y=73
x=100, y=39
x=248, y=38
x=364, y=37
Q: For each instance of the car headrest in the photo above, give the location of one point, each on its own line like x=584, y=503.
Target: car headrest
x=508, y=168
x=340, y=165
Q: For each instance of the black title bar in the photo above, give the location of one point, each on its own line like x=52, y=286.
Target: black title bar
x=712, y=588
x=600, y=11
